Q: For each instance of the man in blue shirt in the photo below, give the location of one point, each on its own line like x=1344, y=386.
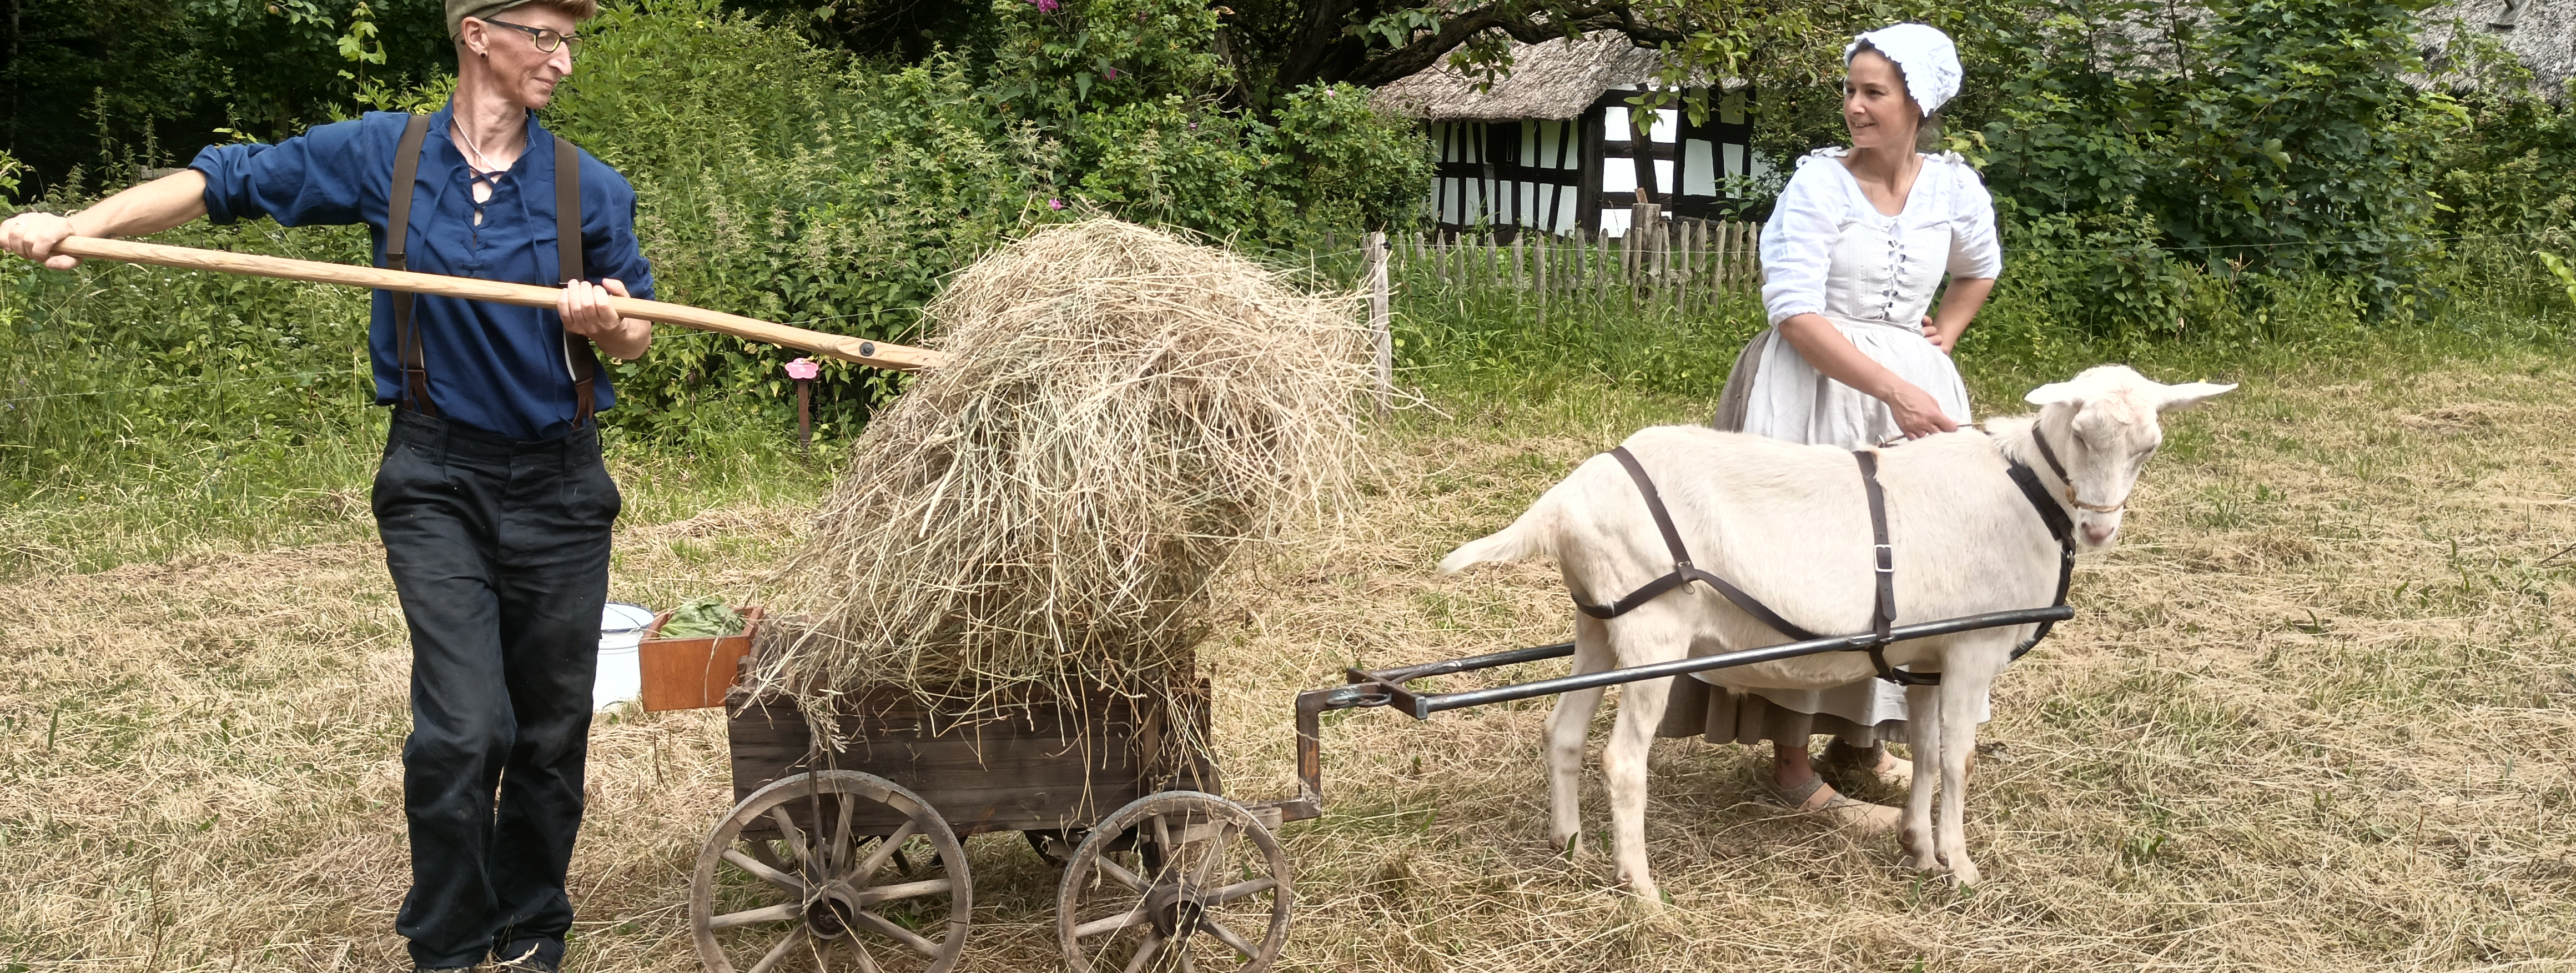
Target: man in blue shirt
x=492, y=501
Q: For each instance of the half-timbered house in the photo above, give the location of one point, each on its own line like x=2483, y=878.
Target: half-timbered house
x=1552, y=145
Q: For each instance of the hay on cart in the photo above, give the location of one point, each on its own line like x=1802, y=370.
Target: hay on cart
x=1120, y=411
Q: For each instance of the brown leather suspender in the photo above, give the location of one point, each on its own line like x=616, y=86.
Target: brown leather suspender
x=415, y=390
x=579, y=360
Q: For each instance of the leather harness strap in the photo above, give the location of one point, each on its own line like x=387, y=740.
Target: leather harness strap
x=579, y=360
x=2060, y=526
x=2050, y=455
x=1683, y=571
x=1883, y=563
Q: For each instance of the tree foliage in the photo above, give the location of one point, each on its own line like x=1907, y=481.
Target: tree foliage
x=118, y=84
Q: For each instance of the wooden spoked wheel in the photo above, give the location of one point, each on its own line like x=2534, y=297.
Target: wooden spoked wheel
x=816, y=897
x=1202, y=886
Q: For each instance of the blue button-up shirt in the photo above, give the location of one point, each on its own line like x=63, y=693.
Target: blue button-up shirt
x=496, y=367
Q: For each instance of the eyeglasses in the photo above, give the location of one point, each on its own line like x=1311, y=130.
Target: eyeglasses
x=547, y=40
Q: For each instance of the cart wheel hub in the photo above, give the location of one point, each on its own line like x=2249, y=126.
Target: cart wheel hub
x=1174, y=910
x=830, y=912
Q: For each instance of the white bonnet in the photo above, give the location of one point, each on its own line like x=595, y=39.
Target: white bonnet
x=1924, y=53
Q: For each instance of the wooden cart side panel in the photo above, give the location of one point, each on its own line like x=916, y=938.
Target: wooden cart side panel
x=1043, y=769
x=992, y=783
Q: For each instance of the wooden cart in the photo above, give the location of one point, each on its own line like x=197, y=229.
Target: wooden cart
x=851, y=859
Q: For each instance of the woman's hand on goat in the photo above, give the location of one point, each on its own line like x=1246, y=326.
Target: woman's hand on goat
x=1917, y=413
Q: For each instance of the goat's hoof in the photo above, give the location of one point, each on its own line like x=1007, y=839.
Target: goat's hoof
x=1647, y=896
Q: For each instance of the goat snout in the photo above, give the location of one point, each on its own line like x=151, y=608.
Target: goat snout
x=2098, y=534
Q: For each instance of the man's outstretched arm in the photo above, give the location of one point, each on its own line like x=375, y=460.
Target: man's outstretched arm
x=140, y=211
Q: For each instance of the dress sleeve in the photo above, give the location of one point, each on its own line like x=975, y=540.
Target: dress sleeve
x=1974, y=251
x=317, y=178
x=1798, y=244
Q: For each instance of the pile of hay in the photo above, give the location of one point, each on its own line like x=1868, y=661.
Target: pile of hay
x=1119, y=412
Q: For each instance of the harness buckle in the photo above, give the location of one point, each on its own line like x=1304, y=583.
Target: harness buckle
x=1886, y=558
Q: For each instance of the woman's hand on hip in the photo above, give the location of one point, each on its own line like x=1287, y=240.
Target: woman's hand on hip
x=1940, y=337
x=1917, y=413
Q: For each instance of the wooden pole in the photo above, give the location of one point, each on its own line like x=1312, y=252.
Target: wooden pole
x=1380, y=324
x=805, y=415
x=876, y=353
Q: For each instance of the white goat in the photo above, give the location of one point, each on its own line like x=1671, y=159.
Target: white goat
x=1787, y=523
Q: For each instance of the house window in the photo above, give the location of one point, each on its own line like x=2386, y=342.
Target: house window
x=1685, y=167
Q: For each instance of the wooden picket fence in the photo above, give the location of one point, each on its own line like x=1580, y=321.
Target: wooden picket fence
x=1685, y=264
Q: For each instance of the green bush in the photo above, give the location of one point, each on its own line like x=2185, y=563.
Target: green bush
x=790, y=184
x=1134, y=88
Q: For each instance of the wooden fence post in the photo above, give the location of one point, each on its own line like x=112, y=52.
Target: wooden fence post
x=1381, y=326
x=1726, y=254
x=1601, y=266
x=1538, y=273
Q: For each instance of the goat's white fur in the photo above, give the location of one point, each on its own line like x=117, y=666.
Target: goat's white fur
x=1788, y=523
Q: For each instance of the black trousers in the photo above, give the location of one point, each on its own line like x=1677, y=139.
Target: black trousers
x=499, y=551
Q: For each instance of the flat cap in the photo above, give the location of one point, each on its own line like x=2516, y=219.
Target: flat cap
x=458, y=10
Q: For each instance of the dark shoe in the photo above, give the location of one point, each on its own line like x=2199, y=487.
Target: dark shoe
x=534, y=956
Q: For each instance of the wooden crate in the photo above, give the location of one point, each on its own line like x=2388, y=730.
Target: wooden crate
x=1047, y=765
x=692, y=673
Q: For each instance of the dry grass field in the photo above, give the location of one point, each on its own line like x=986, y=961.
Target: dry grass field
x=2318, y=711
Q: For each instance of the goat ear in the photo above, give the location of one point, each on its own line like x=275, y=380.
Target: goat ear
x=2054, y=393
x=2190, y=394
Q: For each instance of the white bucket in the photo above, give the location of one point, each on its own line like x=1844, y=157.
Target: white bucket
x=621, y=674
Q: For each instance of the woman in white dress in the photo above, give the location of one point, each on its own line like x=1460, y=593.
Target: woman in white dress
x=1856, y=245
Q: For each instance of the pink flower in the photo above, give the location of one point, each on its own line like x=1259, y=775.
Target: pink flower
x=1046, y=6
x=803, y=369
x=1112, y=73
x=1055, y=204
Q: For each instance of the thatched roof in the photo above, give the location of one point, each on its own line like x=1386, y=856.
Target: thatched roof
x=2542, y=33
x=1557, y=79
